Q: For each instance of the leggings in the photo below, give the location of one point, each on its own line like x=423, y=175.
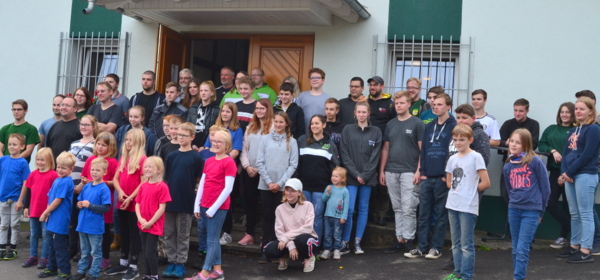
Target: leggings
x=107, y=238
x=305, y=243
x=129, y=236
x=150, y=244
x=250, y=186
x=270, y=201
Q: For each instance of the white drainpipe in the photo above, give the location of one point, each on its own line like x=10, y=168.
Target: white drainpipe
x=89, y=8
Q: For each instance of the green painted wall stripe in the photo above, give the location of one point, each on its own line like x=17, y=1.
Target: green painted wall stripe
x=99, y=21
x=425, y=18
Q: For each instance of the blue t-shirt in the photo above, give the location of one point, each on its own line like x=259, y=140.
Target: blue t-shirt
x=237, y=140
x=45, y=128
x=60, y=218
x=13, y=171
x=90, y=222
x=182, y=171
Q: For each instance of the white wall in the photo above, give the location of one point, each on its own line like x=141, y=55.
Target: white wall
x=142, y=54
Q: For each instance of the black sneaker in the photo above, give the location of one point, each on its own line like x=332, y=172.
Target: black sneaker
x=580, y=257
x=131, y=274
x=567, y=252
x=2, y=254
x=77, y=276
x=10, y=255
x=263, y=259
x=47, y=273
x=395, y=247
x=63, y=276
x=200, y=261
x=119, y=269
x=77, y=257
x=414, y=253
x=90, y=277
x=449, y=265
x=345, y=248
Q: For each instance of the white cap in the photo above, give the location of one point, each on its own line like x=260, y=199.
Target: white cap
x=294, y=184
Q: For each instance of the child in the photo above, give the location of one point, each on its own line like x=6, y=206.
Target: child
x=149, y=209
x=14, y=170
x=136, y=115
x=336, y=211
x=295, y=113
x=463, y=173
x=246, y=105
x=94, y=201
x=212, y=203
x=313, y=102
x=173, y=145
x=38, y=184
x=528, y=189
x=165, y=138
x=127, y=181
x=104, y=148
x=182, y=174
x=58, y=217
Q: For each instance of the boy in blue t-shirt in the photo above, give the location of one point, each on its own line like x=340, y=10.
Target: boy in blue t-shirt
x=14, y=170
x=337, y=199
x=58, y=217
x=94, y=201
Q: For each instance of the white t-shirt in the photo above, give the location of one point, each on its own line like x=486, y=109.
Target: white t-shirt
x=490, y=126
x=463, y=195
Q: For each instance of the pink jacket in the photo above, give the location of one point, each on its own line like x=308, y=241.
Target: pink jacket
x=291, y=222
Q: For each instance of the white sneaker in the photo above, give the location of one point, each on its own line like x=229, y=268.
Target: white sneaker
x=225, y=239
x=559, y=243
x=336, y=254
x=433, y=254
x=309, y=264
x=325, y=255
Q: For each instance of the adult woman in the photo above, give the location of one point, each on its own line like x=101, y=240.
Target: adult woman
x=281, y=150
x=360, y=150
x=294, y=229
x=318, y=157
x=580, y=174
x=261, y=123
x=191, y=96
x=83, y=101
x=203, y=114
x=553, y=141
x=292, y=80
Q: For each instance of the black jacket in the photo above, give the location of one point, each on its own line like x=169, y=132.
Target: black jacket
x=317, y=160
x=162, y=110
x=360, y=151
x=296, y=115
x=212, y=113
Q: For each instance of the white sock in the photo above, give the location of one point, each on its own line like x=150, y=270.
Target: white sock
x=123, y=262
x=134, y=266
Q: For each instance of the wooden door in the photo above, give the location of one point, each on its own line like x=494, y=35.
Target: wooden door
x=173, y=55
x=282, y=55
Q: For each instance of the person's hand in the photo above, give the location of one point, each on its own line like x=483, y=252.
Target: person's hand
x=561, y=181
x=208, y=216
x=122, y=196
x=142, y=221
x=195, y=148
x=294, y=254
x=83, y=204
x=567, y=178
x=18, y=205
x=540, y=221
x=44, y=217
x=252, y=172
x=125, y=203
x=417, y=177
x=423, y=178
x=382, y=178
x=360, y=180
x=328, y=190
x=557, y=157
x=85, y=180
x=342, y=221
x=281, y=245
x=197, y=215
x=26, y=213
x=444, y=179
x=274, y=187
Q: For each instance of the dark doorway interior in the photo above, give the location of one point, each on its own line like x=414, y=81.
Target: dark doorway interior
x=210, y=55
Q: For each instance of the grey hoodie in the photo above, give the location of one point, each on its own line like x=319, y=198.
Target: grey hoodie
x=282, y=160
x=360, y=151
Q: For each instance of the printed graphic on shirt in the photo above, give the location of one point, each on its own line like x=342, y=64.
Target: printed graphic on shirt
x=340, y=207
x=457, y=175
x=336, y=138
x=520, y=177
x=573, y=141
x=200, y=126
x=452, y=149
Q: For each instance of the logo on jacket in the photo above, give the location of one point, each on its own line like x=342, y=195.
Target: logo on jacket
x=382, y=110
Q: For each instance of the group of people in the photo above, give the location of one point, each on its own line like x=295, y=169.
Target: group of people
x=306, y=160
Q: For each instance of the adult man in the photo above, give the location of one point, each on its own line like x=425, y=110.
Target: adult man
x=400, y=172
x=109, y=115
x=227, y=78
x=489, y=122
x=185, y=77
x=168, y=107
x=357, y=86
x=334, y=126
x=19, y=110
x=65, y=131
x=117, y=98
x=417, y=105
x=313, y=101
x=47, y=124
x=262, y=89
x=148, y=98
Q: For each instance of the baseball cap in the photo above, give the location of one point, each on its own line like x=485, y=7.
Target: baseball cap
x=376, y=79
x=294, y=184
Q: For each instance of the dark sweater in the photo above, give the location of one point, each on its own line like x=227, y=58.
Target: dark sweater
x=296, y=115
x=360, y=152
x=316, y=162
x=511, y=125
x=346, y=114
x=580, y=155
x=382, y=111
x=481, y=142
x=434, y=149
x=162, y=110
x=554, y=137
x=527, y=185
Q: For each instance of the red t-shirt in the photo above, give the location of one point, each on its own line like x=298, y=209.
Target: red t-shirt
x=40, y=184
x=129, y=182
x=149, y=197
x=113, y=164
x=214, y=182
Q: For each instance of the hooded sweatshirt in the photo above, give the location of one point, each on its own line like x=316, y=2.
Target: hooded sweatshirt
x=434, y=149
x=346, y=114
x=481, y=142
x=382, y=111
x=580, y=155
x=317, y=160
x=527, y=185
x=296, y=115
x=360, y=151
x=277, y=160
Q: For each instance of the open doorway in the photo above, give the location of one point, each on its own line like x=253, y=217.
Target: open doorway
x=210, y=55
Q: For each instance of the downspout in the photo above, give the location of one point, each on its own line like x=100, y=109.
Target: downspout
x=358, y=8
x=89, y=8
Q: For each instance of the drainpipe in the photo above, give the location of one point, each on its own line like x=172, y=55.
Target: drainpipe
x=89, y=8
x=358, y=8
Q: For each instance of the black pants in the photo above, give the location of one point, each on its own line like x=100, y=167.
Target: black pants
x=250, y=187
x=305, y=243
x=150, y=244
x=270, y=201
x=129, y=236
x=73, y=234
x=561, y=215
x=107, y=239
x=235, y=193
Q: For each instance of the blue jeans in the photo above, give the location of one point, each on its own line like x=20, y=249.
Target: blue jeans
x=333, y=234
x=523, y=224
x=364, y=193
x=462, y=228
x=433, y=193
x=315, y=199
x=212, y=231
x=37, y=229
x=91, y=246
x=58, y=252
x=580, y=195
x=201, y=234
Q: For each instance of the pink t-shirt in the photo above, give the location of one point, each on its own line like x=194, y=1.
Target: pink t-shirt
x=149, y=197
x=40, y=184
x=129, y=182
x=214, y=182
x=113, y=164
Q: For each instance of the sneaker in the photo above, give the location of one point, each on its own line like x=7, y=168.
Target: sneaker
x=246, y=240
x=105, y=264
x=449, y=265
x=309, y=264
x=283, y=263
x=559, y=243
x=395, y=247
x=119, y=269
x=2, y=254
x=345, y=248
x=225, y=238
x=132, y=273
x=77, y=257
x=567, y=252
x=414, y=253
x=179, y=271
x=263, y=259
x=90, y=277
x=42, y=263
x=357, y=249
x=325, y=255
x=336, y=254
x=433, y=254
x=78, y=276
x=47, y=273
x=169, y=271
x=62, y=276
x=200, y=261
x=197, y=277
x=31, y=261
x=580, y=257
x=452, y=277
x=216, y=276
x=10, y=255
x=595, y=251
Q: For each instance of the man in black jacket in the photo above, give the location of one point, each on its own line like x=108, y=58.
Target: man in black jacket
x=148, y=98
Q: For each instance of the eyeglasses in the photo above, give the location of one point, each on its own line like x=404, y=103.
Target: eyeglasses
x=85, y=124
x=165, y=125
x=66, y=105
x=412, y=88
x=260, y=108
x=17, y=109
x=182, y=135
x=355, y=86
x=79, y=95
x=185, y=78
x=315, y=78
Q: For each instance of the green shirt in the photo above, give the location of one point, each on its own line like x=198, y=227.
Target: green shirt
x=417, y=108
x=29, y=131
x=81, y=114
x=266, y=92
x=234, y=96
x=554, y=138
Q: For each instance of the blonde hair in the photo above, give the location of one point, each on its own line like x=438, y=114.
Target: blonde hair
x=227, y=138
x=110, y=141
x=94, y=122
x=20, y=137
x=234, y=123
x=462, y=130
x=301, y=198
x=46, y=153
x=343, y=174
x=526, y=144
x=66, y=159
x=138, y=150
x=189, y=127
x=591, y=105
x=215, y=127
x=401, y=93
x=160, y=167
x=100, y=161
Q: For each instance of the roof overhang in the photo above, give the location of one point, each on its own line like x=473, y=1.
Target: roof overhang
x=238, y=12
